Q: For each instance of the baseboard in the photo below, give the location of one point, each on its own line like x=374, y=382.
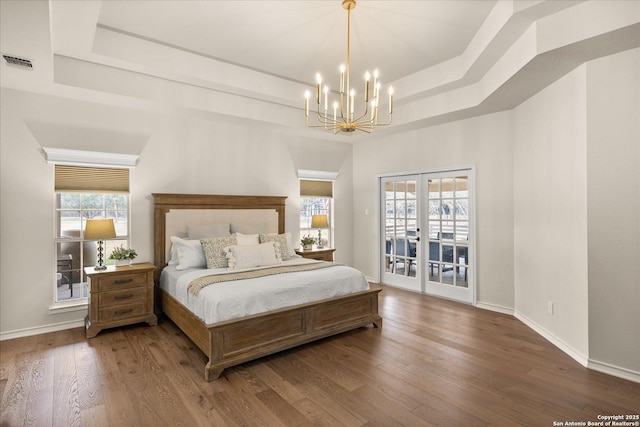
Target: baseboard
x=27, y=332
x=616, y=371
x=574, y=354
x=495, y=307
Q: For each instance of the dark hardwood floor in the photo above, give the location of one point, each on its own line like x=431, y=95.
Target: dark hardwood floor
x=434, y=363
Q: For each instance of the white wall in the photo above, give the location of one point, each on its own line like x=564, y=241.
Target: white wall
x=577, y=213
x=550, y=200
x=613, y=174
x=180, y=152
x=483, y=142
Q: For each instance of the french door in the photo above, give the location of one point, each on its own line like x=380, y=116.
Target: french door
x=427, y=233
x=401, y=225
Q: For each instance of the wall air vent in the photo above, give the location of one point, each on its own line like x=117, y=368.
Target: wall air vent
x=14, y=61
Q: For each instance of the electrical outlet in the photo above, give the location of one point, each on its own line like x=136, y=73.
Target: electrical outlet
x=550, y=307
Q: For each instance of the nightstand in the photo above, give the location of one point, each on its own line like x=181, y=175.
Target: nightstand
x=324, y=254
x=119, y=296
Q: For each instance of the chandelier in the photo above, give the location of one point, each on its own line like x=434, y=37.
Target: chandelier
x=343, y=115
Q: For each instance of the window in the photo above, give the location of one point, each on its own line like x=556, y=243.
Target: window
x=81, y=194
x=316, y=198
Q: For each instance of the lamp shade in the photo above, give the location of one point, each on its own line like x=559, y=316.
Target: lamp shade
x=319, y=221
x=99, y=229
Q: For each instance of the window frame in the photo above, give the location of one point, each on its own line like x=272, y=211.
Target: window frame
x=123, y=239
x=313, y=232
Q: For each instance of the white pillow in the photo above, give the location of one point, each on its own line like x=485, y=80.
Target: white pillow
x=174, y=255
x=248, y=256
x=247, y=239
x=190, y=253
x=201, y=231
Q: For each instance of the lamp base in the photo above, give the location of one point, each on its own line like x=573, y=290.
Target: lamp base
x=320, y=246
x=100, y=265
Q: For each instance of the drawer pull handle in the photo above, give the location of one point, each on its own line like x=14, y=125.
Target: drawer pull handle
x=124, y=296
x=121, y=281
x=118, y=312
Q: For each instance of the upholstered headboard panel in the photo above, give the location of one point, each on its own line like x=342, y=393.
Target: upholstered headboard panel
x=173, y=212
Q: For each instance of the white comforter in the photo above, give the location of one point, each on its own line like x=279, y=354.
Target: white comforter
x=235, y=299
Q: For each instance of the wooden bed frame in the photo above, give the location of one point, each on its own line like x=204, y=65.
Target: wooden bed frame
x=237, y=341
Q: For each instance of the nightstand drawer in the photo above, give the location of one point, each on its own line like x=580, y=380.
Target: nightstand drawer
x=113, y=282
x=319, y=257
x=108, y=314
x=122, y=296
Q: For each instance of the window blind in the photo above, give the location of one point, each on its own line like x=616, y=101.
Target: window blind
x=309, y=188
x=80, y=178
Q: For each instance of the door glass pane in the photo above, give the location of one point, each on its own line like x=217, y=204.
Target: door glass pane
x=434, y=188
x=434, y=230
x=462, y=183
x=462, y=209
x=434, y=209
x=447, y=230
x=447, y=253
x=411, y=209
x=462, y=231
x=447, y=209
x=447, y=274
x=401, y=209
x=390, y=210
x=434, y=271
x=447, y=187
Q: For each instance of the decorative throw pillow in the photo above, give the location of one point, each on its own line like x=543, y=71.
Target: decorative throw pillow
x=214, y=250
x=248, y=256
x=247, y=239
x=202, y=231
x=190, y=253
x=280, y=238
x=292, y=252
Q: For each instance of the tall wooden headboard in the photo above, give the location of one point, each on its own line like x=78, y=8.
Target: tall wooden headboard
x=164, y=203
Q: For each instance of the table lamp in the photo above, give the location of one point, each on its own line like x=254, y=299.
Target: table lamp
x=319, y=222
x=100, y=230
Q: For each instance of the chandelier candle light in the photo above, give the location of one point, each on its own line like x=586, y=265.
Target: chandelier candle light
x=343, y=117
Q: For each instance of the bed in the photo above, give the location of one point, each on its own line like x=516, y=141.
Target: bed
x=234, y=341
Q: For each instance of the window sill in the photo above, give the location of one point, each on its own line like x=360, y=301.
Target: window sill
x=80, y=304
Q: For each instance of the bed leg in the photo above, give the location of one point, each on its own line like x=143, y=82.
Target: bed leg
x=378, y=322
x=212, y=372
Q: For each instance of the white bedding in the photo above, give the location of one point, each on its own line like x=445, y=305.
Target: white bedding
x=235, y=299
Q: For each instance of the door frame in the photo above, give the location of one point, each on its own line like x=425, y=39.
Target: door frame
x=470, y=170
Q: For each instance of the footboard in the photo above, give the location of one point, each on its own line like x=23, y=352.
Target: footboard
x=237, y=341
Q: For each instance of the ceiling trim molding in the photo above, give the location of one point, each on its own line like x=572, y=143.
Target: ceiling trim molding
x=63, y=156
x=317, y=175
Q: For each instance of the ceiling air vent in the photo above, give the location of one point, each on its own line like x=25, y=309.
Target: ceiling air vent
x=14, y=61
